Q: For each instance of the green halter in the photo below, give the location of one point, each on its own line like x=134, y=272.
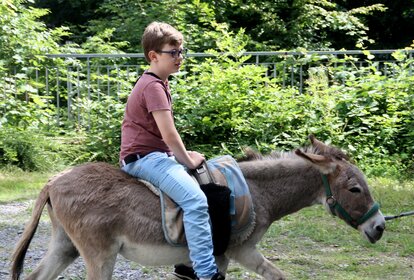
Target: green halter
x=334, y=205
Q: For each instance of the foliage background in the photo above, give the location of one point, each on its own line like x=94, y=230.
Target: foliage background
x=270, y=24
x=221, y=104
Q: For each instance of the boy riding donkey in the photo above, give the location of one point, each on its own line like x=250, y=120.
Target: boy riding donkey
x=152, y=149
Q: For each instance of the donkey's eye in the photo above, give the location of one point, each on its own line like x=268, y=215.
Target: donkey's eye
x=355, y=190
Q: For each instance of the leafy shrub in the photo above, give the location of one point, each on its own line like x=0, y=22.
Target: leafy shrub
x=376, y=111
x=103, y=140
x=26, y=150
x=225, y=104
x=220, y=105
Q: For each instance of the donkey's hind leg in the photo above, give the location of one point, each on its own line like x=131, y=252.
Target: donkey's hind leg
x=60, y=254
x=99, y=251
x=100, y=261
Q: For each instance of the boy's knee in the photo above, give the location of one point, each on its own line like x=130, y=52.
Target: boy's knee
x=202, y=200
x=198, y=202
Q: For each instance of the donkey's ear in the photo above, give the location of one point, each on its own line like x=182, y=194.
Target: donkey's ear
x=325, y=164
x=322, y=148
x=318, y=144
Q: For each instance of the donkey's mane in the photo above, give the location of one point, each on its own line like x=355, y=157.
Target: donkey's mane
x=251, y=154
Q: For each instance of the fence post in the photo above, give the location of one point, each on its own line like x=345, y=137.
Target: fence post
x=88, y=65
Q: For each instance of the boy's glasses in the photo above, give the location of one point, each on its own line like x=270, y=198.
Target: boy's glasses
x=176, y=53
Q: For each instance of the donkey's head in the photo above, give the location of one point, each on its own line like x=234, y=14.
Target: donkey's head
x=346, y=190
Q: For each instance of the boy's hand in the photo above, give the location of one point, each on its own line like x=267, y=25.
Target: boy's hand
x=196, y=159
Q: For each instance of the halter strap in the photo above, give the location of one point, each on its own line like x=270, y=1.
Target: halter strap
x=334, y=205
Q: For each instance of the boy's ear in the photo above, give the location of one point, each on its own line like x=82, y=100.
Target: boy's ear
x=152, y=55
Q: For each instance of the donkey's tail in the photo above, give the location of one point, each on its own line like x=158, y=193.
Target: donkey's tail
x=28, y=233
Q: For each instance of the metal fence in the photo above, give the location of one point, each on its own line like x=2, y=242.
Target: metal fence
x=68, y=78
x=289, y=68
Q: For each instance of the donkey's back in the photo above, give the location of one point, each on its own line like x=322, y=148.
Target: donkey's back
x=99, y=199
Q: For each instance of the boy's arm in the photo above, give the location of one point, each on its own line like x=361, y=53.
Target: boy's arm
x=165, y=123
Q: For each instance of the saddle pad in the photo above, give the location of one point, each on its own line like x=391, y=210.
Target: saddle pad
x=226, y=172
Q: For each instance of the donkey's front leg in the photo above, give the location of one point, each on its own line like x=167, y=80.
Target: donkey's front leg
x=222, y=263
x=251, y=258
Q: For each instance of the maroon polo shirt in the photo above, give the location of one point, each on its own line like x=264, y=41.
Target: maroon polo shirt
x=139, y=133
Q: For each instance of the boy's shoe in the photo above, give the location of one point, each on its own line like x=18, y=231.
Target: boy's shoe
x=184, y=272
x=187, y=273
x=218, y=276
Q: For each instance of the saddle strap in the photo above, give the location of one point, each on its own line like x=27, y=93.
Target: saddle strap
x=202, y=174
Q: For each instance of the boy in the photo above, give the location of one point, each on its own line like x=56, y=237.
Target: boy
x=152, y=149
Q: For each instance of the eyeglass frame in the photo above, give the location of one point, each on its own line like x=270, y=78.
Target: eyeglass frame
x=175, y=53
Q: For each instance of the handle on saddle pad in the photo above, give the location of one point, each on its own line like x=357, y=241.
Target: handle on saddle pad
x=202, y=174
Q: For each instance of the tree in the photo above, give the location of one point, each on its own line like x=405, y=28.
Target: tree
x=309, y=24
x=24, y=38
x=271, y=25
x=128, y=18
x=393, y=28
x=75, y=14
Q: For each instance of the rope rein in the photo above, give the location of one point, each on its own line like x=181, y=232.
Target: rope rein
x=404, y=214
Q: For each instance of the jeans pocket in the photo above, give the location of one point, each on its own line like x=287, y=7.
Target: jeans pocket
x=132, y=168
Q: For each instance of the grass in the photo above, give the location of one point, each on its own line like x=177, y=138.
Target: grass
x=311, y=243
x=306, y=245
x=16, y=184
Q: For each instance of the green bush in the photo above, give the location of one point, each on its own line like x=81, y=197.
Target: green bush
x=26, y=149
x=222, y=104
x=103, y=140
x=376, y=112
x=225, y=104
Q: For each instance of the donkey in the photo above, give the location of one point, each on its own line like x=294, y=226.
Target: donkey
x=97, y=211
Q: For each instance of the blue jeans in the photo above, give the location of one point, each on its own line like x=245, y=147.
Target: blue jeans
x=172, y=178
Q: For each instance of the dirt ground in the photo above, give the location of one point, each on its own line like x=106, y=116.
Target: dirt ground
x=13, y=217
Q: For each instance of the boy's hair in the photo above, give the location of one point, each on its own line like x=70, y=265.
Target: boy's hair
x=157, y=34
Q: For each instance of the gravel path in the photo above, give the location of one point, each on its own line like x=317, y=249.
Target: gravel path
x=13, y=217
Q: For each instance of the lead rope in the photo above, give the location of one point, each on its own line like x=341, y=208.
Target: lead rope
x=404, y=214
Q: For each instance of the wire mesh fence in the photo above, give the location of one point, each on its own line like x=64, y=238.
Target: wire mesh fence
x=71, y=83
